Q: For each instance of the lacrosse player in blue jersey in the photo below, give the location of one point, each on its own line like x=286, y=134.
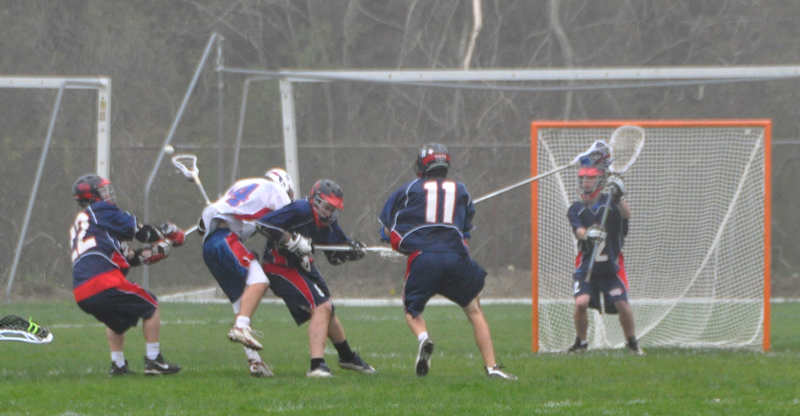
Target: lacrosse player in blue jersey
x=100, y=261
x=225, y=225
x=607, y=289
x=429, y=219
x=291, y=232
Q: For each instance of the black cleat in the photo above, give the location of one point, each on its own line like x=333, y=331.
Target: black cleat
x=120, y=371
x=159, y=366
x=357, y=364
x=578, y=347
x=424, y=357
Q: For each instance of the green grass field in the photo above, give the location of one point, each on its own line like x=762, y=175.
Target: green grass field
x=69, y=376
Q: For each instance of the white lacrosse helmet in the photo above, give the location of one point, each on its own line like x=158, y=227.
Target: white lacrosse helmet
x=283, y=179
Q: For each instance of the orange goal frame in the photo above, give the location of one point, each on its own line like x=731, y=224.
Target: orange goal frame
x=766, y=124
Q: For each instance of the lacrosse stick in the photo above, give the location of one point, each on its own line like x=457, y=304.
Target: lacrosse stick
x=385, y=252
x=626, y=144
x=188, y=166
x=14, y=328
x=535, y=178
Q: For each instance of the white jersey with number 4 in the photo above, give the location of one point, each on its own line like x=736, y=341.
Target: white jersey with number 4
x=244, y=202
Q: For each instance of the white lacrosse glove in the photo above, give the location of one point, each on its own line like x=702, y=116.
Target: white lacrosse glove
x=596, y=234
x=616, y=187
x=155, y=253
x=299, y=245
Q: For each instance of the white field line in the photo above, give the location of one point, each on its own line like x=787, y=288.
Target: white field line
x=208, y=295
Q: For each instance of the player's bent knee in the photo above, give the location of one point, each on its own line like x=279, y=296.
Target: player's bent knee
x=255, y=275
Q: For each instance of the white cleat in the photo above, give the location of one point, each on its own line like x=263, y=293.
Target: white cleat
x=258, y=368
x=245, y=336
x=497, y=372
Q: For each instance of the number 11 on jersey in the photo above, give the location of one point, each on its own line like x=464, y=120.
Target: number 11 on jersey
x=432, y=202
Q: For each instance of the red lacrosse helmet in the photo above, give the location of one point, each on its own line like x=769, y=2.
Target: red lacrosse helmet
x=327, y=199
x=430, y=157
x=91, y=188
x=591, y=180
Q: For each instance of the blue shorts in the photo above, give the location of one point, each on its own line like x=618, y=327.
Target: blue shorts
x=302, y=291
x=454, y=276
x=613, y=287
x=228, y=260
x=120, y=308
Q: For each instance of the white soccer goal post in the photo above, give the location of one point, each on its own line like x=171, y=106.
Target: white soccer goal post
x=698, y=252
x=103, y=87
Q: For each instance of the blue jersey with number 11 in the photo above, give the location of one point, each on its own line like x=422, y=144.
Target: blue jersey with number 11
x=429, y=215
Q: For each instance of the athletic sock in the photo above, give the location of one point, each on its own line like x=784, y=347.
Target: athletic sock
x=153, y=349
x=252, y=354
x=345, y=353
x=242, y=321
x=118, y=357
x=421, y=337
x=315, y=362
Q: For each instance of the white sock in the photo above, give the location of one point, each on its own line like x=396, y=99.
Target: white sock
x=252, y=354
x=118, y=357
x=421, y=337
x=242, y=321
x=153, y=349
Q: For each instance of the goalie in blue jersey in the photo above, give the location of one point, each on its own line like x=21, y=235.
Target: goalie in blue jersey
x=607, y=288
x=100, y=261
x=429, y=219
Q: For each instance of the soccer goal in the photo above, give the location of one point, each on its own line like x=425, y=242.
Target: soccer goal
x=698, y=251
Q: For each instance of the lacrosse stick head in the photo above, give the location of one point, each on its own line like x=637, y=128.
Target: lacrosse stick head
x=187, y=164
x=626, y=144
x=14, y=328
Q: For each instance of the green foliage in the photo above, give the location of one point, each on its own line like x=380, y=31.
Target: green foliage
x=69, y=375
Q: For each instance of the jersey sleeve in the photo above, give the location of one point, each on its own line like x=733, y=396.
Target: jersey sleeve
x=281, y=221
x=573, y=216
x=469, y=210
x=115, y=221
x=387, y=216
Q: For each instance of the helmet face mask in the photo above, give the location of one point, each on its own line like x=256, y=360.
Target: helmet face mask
x=327, y=199
x=91, y=188
x=591, y=180
x=283, y=179
x=431, y=157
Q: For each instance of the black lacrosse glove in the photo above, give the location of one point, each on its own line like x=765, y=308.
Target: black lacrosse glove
x=357, y=252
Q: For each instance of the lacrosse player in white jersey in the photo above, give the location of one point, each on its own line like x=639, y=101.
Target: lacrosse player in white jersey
x=225, y=225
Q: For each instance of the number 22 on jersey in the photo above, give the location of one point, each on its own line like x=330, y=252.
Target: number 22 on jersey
x=78, y=236
x=432, y=203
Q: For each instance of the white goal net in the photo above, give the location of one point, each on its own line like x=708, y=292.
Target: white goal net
x=697, y=253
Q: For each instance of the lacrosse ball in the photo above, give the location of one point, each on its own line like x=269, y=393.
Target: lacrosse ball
x=168, y=149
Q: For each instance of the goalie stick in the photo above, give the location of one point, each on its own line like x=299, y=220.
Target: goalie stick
x=14, y=328
x=625, y=146
x=535, y=178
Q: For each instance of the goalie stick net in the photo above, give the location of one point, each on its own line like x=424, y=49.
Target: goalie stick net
x=698, y=252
